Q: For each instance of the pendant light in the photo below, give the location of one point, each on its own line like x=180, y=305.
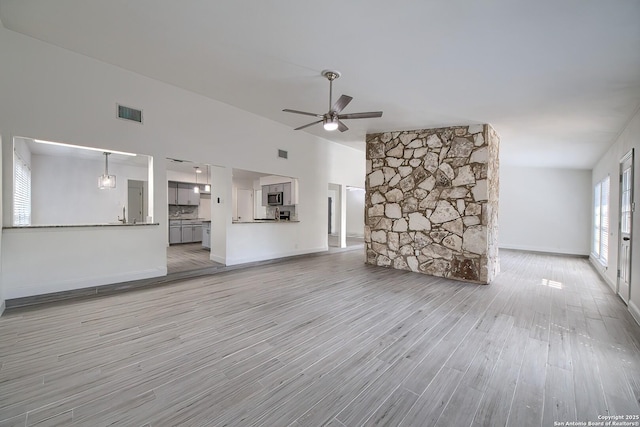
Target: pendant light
x=196, y=188
x=106, y=181
x=207, y=187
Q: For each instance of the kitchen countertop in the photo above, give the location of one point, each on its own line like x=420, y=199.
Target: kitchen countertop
x=140, y=224
x=173, y=218
x=264, y=221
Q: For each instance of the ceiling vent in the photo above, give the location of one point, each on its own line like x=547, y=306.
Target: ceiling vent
x=128, y=113
x=283, y=154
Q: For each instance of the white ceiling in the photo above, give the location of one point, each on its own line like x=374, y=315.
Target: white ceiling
x=558, y=79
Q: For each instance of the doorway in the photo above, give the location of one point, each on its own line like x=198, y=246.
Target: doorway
x=334, y=212
x=137, y=201
x=345, y=215
x=626, y=210
x=189, y=208
x=244, y=205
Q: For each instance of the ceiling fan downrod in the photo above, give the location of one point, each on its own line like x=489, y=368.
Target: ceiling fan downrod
x=331, y=76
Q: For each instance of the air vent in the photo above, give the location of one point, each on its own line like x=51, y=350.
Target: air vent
x=128, y=113
x=283, y=154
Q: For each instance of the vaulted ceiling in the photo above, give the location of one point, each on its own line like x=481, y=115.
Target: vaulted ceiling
x=558, y=79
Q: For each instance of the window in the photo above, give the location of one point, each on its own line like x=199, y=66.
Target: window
x=601, y=221
x=22, y=191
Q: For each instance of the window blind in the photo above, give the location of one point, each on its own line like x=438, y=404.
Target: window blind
x=596, y=219
x=22, y=191
x=601, y=220
x=604, y=227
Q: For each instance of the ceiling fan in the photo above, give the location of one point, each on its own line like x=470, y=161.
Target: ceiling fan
x=331, y=120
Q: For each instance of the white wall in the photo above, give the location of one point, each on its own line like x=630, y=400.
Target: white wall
x=71, y=258
x=609, y=164
x=73, y=100
x=64, y=190
x=546, y=210
x=355, y=212
x=2, y=297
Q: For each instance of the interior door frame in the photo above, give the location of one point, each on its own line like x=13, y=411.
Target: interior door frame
x=623, y=160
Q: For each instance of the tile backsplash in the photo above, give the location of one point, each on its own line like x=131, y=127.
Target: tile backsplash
x=187, y=212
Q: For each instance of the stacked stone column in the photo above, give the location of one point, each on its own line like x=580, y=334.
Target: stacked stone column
x=432, y=201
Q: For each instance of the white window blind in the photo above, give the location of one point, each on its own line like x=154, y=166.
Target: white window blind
x=22, y=191
x=601, y=220
x=596, y=219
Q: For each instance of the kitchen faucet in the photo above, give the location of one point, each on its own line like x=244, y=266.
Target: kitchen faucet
x=124, y=216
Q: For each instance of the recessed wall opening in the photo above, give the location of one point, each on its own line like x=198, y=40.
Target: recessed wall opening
x=345, y=217
x=59, y=184
x=189, y=208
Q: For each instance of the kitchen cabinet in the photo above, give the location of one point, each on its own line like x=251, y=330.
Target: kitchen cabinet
x=286, y=194
x=265, y=193
x=185, y=231
x=175, y=231
x=187, y=234
x=206, y=235
x=181, y=193
x=191, y=231
x=197, y=233
x=186, y=196
x=173, y=193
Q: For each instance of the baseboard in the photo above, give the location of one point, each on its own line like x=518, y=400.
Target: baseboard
x=635, y=311
x=543, y=250
x=2, y=307
x=601, y=269
x=218, y=259
x=79, y=285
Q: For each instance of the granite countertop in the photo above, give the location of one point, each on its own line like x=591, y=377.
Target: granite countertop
x=140, y=224
x=264, y=221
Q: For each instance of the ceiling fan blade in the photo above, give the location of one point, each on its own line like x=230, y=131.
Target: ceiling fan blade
x=361, y=115
x=286, y=110
x=342, y=127
x=342, y=102
x=307, y=125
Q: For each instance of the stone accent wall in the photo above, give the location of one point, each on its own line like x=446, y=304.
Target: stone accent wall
x=432, y=202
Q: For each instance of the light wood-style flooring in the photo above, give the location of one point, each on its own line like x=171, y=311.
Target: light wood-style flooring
x=353, y=243
x=188, y=256
x=328, y=340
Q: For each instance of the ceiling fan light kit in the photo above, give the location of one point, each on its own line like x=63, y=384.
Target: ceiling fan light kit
x=332, y=119
x=330, y=124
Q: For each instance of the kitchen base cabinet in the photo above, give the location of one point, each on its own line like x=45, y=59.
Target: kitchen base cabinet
x=197, y=233
x=187, y=234
x=175, y=235
x=206, y=235
x=185, y=231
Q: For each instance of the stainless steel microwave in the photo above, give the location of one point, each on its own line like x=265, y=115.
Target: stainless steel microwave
x=274, y=199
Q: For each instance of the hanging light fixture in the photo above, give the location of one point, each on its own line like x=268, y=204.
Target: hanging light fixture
x=106, y=181
x=207, y=187
x=196, y=188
